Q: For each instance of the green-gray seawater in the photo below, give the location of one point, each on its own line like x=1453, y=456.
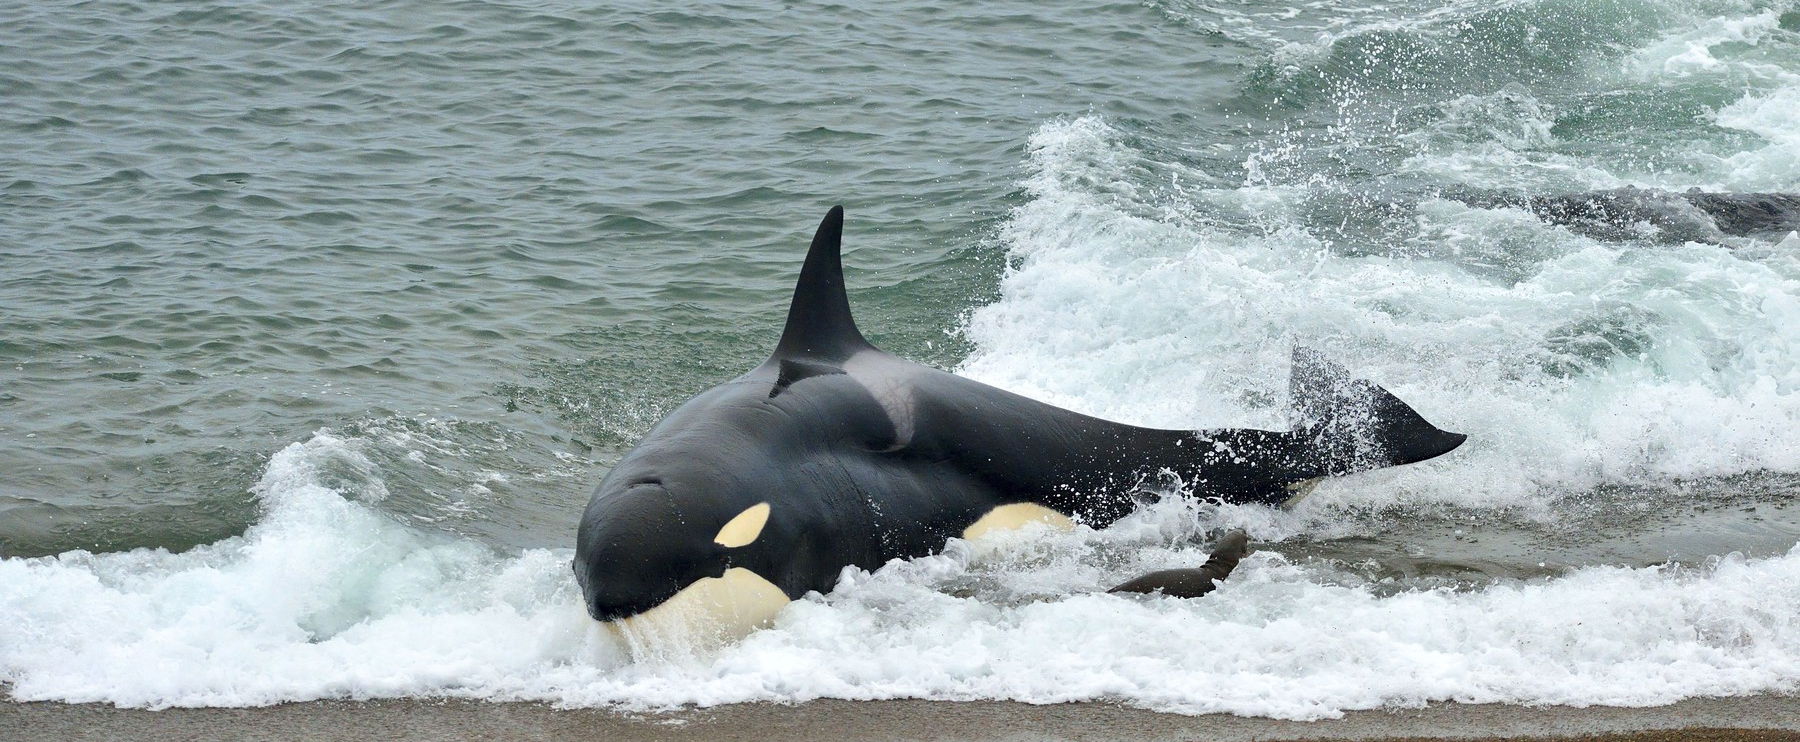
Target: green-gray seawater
x=445, y=262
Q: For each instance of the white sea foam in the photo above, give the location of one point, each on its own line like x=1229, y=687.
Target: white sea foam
x=326, y=597
x=323, y=597
x=1571, y=363
x=1692, y=52
x=1775, y=117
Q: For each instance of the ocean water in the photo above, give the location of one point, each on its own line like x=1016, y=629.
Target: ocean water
x=318, y=321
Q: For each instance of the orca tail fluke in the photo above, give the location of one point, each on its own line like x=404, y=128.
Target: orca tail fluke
x=1353, y=425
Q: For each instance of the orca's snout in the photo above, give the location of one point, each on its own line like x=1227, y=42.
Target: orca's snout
x=594, y=595
x=604, y=612
x=604, y=602
x=610, y=598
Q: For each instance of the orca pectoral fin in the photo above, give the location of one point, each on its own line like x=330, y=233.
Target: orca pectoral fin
x=1196, y=582
x=1351, y=425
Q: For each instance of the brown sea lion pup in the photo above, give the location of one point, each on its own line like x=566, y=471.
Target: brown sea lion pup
x=1197, y=581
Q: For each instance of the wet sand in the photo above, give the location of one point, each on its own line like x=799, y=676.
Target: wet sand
x=1750, y=719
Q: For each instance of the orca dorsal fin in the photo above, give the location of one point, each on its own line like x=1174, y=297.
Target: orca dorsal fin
x=819, y=323
x=792, y=371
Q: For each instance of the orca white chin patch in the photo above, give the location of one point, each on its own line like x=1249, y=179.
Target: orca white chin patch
x=711, y=612
x=1016, y=515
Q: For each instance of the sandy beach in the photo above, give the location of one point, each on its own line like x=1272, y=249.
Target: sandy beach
x=1758, y=718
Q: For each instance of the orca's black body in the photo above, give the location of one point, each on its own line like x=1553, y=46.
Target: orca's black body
x=834, y=454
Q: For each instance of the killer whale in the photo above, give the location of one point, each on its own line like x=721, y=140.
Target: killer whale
x=834, y=454
x=1629, y=213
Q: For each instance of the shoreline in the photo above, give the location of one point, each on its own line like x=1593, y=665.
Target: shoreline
x=1762, y=718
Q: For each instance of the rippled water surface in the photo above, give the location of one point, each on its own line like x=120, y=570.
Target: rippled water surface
x=230, y=225
x=319, y=320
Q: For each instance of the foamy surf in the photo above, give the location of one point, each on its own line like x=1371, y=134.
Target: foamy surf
x=328, y=598
x=1572, y=363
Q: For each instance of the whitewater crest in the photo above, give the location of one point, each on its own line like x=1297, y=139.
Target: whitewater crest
x=327, y=597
